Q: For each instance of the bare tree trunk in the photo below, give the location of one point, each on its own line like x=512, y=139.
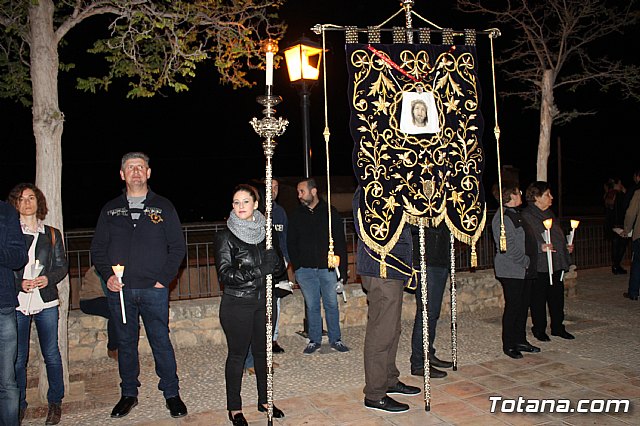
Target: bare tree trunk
x=47, y=128
x=547, y=112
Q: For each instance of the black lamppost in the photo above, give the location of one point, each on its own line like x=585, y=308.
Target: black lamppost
x=303, y=65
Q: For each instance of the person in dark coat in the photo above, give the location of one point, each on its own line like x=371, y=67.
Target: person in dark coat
x=13, y=255
x=544, y=293
x=242, y=263
x=141, y=231
x=614, y=204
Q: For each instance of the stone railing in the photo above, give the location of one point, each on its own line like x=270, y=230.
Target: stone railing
x=196, y=322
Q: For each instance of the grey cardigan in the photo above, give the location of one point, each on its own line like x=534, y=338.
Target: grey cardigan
x=514, y=262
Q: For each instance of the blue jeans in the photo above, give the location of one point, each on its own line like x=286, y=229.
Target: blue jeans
x=316, y=284
x=436, y=282
x=634, y=276
x=9, y=394
x=47, y=327
x=152, y=304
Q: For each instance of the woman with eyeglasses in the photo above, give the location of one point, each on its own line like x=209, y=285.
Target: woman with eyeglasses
x=242, y=263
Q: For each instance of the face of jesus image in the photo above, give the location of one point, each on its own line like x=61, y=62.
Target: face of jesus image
x=419, y=113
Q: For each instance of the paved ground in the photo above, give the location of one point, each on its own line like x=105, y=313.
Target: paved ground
x=326, y=388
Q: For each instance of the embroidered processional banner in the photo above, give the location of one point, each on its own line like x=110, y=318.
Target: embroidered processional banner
x=417, y=126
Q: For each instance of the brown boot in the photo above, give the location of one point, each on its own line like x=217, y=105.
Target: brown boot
x=54, y=414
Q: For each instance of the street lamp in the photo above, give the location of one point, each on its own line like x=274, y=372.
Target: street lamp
x=303, y=65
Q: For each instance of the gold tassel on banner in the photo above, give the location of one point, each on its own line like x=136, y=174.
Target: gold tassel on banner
x=503, y=238
x=383, y=267
x=333, y=261
x=474, y=256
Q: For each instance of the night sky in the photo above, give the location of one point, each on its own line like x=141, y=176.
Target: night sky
x=201, y=143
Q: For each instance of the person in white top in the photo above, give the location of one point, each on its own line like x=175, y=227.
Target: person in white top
x=36, y=285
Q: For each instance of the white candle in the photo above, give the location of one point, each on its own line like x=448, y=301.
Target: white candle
x=269, y=68
x=119, y=271
x=574, y=225
x=547, y=237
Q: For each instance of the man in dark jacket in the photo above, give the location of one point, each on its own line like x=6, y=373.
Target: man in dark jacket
x=141, y=231
x=308, y=244
x=13, y=255
x=438, y=258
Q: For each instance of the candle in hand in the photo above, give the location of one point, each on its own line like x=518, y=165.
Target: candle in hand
x=574, y=225
x=119, y=271
x=548, y=223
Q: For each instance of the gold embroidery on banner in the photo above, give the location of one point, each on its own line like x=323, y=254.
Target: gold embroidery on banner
x=426, y=178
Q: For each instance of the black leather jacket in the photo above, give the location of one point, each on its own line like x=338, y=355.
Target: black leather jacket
x=53, y=259
x=237, y=265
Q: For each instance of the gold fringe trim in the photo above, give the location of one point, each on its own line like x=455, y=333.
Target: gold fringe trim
x=381, y=250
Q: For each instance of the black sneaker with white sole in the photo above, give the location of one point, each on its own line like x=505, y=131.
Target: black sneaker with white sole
x=387, y=404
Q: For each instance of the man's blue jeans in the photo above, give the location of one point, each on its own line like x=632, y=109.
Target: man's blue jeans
x=436, y=282
x=634, y=276
x=9, y=394
x=315, y=284
x=47, y=328
x=152, y=304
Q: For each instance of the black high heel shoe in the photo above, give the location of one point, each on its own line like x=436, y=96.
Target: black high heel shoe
x=277, y=413
x=238, y=419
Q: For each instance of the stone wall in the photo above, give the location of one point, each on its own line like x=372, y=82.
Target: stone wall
x=195, y=322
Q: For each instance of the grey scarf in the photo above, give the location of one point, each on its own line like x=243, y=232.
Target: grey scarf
x=249, y=231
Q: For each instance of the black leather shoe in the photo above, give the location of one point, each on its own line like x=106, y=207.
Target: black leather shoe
x=277, y=413
x=512, y=353
x=564, y=334
x=527, y=347
x=387, y=404
x=543, y=337
x=628, y=296
x=176, y=407
x=618, y=270
x=402, y=389
x=434, y=373
x=433, y=360
x=277, y=349
x=124, y=406
x=238, y=419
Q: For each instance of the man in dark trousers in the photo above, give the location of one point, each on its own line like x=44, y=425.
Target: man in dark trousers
x=13, y=255
x=438, y=258
x=308, y=246
x=141, y=231
x=384, y=314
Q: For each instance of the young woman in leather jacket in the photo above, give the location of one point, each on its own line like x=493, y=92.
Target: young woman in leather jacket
x=242, y=263
x=36, y=285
